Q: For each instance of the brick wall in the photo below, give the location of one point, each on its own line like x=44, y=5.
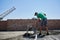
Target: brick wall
x=21, y=24
x=3, y=25
x=54, y=24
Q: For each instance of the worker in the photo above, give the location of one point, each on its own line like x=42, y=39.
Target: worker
x=43, y=23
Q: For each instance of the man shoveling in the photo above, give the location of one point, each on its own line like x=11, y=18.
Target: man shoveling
x=43, y=22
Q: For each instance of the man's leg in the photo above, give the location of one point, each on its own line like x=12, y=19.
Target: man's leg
x=45, y=25
x=40, y=30
x=41, y=25
x=47, y=30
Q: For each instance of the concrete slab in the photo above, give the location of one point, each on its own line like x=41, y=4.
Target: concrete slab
x=17, y=35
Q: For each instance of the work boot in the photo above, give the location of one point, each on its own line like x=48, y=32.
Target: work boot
x=47, y=33
x=39, y=34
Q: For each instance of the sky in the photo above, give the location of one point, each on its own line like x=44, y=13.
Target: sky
x=25, y=9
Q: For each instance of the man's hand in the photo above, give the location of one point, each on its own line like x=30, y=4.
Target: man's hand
x=38, y=20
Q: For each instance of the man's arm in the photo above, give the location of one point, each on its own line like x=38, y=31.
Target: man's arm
x=37, y=22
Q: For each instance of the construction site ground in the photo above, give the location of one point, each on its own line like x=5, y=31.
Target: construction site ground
x=17, y=35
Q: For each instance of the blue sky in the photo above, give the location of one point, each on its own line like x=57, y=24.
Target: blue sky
x=25, y=9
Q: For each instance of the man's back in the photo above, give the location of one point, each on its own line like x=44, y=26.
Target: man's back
x=41, y=15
